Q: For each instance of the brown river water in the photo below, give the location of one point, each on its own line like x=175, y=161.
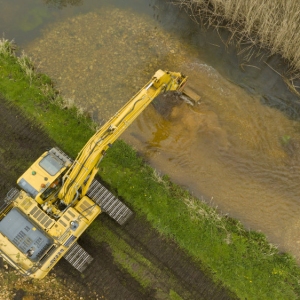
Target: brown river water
x=237, y=149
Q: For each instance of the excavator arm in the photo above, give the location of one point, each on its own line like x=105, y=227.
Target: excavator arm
x=60, y=198
x=83, y=170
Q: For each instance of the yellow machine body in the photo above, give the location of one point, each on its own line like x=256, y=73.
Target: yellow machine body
x=40, y=223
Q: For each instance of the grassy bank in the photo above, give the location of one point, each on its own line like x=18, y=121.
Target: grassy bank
x=272, y=24
x=242, y=260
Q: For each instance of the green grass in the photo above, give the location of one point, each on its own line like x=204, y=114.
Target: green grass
x=35, y=96
x=174, y=296
x=130, y=260
x=134, y=262
x=242, y=260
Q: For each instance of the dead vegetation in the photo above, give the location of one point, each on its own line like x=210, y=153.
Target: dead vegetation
x=270, y=24
x=7, y=47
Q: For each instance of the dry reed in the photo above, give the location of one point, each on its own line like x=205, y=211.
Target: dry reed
x=271, y=24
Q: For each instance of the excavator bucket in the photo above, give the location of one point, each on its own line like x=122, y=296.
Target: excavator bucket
x=166, y=105
x=189, y=95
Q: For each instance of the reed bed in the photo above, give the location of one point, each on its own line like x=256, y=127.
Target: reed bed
x=270, y=24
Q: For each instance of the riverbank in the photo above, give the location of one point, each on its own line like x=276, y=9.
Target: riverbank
x=243, y=261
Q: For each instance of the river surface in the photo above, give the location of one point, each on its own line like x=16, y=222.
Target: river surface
x=237, y=149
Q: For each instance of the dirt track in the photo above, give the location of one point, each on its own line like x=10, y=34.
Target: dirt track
x=167, y=271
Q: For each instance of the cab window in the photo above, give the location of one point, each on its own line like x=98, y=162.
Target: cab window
x=51, y=164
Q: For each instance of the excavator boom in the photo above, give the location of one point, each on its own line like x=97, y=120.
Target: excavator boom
x=85, y=165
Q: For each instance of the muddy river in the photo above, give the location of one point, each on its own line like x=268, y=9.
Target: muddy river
x=237, y=149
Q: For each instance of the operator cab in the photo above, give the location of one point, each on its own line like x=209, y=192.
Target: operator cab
x=45, y=175
x=51, y=164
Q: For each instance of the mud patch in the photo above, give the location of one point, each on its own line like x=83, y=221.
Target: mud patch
x=101, y=70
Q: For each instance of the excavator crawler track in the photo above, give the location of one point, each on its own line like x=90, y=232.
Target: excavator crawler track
x=78, y=257
x=109, y=203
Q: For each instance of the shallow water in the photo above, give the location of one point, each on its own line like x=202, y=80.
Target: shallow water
x=237, y=149
x=229, y=150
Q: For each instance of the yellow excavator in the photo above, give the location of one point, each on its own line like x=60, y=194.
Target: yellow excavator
x=60, y=197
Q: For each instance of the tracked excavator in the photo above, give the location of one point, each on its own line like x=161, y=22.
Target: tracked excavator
x=58, y=198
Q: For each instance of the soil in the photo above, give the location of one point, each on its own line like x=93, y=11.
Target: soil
x=173, y=273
